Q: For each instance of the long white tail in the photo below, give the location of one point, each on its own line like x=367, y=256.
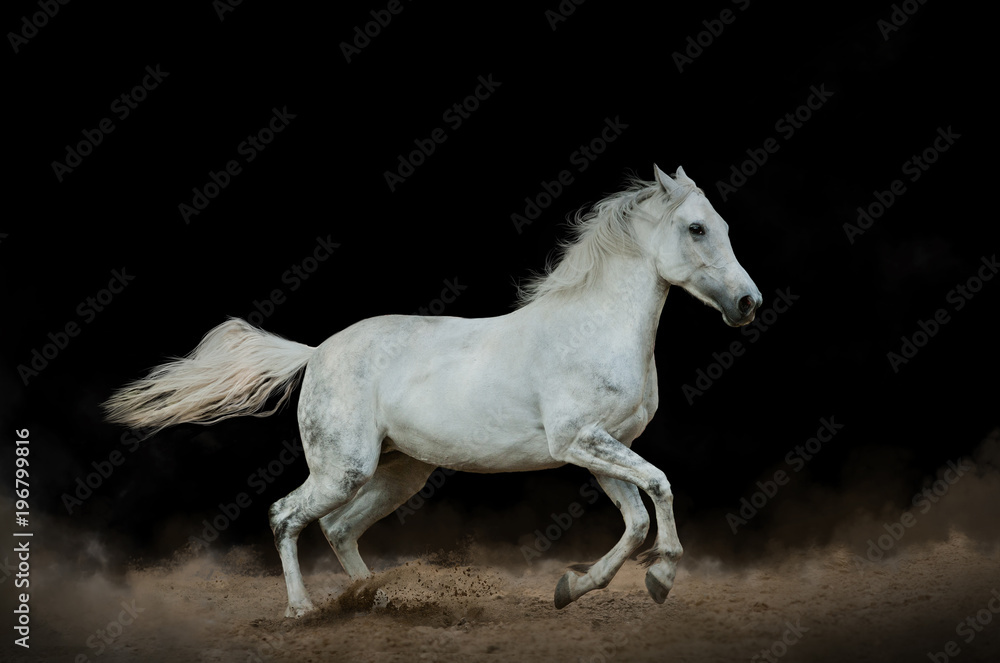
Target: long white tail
x=232, y=372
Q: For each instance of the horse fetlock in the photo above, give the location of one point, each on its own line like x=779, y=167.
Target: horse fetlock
x=299, y=609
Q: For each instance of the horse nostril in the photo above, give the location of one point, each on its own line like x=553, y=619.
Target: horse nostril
x=746, y=304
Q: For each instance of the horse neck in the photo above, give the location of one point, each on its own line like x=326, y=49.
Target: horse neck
x=621, y=307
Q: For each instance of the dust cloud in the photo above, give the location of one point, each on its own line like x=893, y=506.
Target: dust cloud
x=876, y=570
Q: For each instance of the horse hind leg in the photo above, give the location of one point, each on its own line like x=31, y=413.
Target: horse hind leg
x=333, y=480
x=597, y=575
x=397, y=478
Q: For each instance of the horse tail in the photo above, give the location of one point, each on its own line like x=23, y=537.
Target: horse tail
x=233, y=371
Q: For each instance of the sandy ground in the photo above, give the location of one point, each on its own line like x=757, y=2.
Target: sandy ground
x=467, y=605
x=933, y=593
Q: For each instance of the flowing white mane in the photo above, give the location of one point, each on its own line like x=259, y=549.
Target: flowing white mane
x=603, y=231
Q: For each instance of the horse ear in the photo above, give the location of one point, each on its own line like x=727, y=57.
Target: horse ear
x=664, y=180
x=681, y=175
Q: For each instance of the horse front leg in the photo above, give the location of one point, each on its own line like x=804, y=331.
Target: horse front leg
x=599, y=574
x=595, y=449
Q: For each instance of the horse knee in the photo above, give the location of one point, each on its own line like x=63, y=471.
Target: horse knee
x=659, y=488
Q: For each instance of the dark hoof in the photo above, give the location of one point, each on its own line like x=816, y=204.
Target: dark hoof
x=655, y=588
x=562, y=593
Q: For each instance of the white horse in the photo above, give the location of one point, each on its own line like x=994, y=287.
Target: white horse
x=570, y=372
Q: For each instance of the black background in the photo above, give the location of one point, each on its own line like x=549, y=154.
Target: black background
x=323, y=176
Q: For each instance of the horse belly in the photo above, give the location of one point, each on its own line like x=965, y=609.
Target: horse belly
x=457, y=452
x=457, y=414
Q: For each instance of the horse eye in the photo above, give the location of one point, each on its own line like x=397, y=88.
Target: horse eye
x=696, y=229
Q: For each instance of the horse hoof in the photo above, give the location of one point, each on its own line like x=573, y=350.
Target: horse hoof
x=294, y=612
x=656, y=588
x=563, y=597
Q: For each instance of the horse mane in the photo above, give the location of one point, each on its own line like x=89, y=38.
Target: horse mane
x=603, y=231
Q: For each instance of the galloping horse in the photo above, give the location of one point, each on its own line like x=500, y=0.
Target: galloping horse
x=389, y=399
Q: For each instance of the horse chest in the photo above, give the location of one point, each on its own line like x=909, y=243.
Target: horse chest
x=618, y=377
